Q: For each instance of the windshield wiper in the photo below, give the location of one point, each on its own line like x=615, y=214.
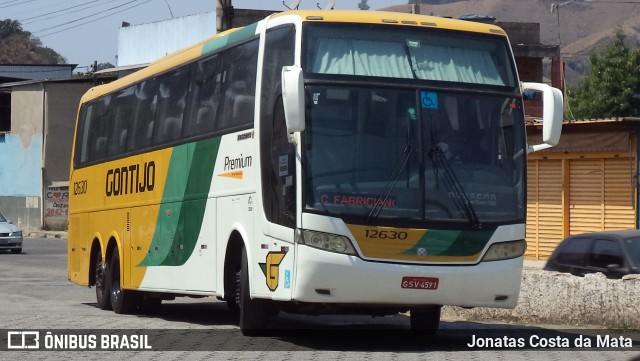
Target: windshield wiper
x=411, y=63
x=391, y=183
x=453, y=184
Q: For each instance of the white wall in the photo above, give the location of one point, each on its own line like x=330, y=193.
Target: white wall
x=141, y=44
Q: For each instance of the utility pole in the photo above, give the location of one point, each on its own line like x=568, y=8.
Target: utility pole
x=556, y=8
x=224, y=15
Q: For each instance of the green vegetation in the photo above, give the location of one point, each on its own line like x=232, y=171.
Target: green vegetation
x=612, y=87
x=18, y=46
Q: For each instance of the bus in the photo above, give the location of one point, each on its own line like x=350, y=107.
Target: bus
x=318, y=162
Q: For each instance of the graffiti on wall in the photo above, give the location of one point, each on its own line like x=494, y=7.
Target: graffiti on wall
x=57, y=202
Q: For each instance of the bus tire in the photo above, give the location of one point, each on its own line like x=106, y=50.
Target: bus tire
x=425, y=320
x=233, y=299
x=253, y=315
x=101, y=283
x=122, y=301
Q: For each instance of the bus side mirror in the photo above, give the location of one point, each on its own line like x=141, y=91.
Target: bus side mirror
x=552, y=114
x=293, y=98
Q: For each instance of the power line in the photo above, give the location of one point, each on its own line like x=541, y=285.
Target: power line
x=41, y=8
x=94, y=20
x=20, y=3
x=85, y=17
x=82, y=7
x=26, y=20
x=8, y=2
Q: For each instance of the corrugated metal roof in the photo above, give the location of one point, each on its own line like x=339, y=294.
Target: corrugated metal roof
x=9, y=86
x=37, y=72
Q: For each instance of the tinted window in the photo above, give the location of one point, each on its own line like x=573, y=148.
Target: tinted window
x=82, y=143
x=213, y=94
x=121, y=121
x=408, y=53
x=172, y=99
x=278, y=155
x=206, y=94
x=238, y=84
x=606, y=252
x=146, y=104
x=98, y=131
x=574, y=251
x=633, y=249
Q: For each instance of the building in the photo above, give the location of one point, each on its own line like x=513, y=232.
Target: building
x=38, y=109
x=144, y=43
x=139, y=45
x=21, y=72
x=35, y=150
x=587, y=183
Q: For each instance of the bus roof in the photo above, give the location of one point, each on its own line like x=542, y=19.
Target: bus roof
x=172, y=60
x=236, y=35
x=393, y=18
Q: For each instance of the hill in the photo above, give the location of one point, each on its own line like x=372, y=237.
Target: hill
x=579, y=26
x=18, y=46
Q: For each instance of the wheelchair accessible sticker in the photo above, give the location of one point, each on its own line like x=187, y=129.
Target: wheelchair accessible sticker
x=429, y=100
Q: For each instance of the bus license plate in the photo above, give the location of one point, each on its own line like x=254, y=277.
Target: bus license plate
x=420, y=283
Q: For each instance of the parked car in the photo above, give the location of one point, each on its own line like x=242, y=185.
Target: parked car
x=10, y=236
x=614, y=253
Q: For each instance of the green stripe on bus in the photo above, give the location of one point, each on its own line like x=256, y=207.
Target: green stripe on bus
x=452, y=243
x=233, y=38
x=184, y=202
x=195, y=196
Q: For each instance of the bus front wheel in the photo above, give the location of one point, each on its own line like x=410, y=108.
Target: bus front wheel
x=253, y=315
x=122, y=301
x=425, y=320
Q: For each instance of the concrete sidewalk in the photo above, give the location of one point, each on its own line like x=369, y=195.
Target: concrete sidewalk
x=44, y=234
x=534, y=264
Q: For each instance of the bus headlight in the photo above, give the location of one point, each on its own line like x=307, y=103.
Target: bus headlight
x=326, y=241
x=505, y=250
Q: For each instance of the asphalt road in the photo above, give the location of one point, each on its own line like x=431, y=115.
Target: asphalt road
x=35, y=296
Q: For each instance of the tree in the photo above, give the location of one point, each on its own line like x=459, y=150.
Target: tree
x=89, y=73
x=612, y=87
x=18, y=46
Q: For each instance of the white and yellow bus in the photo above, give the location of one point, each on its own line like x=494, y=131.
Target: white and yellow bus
x=315, y=162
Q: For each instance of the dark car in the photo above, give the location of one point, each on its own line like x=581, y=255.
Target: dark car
x=614, y=253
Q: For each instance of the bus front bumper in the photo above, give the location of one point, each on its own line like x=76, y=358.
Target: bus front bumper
x=325, y=277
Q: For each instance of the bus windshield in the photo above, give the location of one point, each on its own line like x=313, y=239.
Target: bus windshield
x=444, y=150
x=414, y=155
x=408, y=53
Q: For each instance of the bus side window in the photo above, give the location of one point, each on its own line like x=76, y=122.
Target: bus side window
x=82, y=143
x=238, y=86
x=99, y=132
x=278, y=183
x=146, y=104
x=171, y=104
x=283, y=171
x=205, y=97
x=122, y=121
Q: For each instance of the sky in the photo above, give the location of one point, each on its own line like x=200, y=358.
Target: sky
x=84, y=31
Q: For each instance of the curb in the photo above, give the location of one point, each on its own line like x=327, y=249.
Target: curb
x=45, y=234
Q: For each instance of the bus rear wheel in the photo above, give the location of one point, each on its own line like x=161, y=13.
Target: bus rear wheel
x=122, y=301
x=425, y=320
x=253, y=312
x=102, y=283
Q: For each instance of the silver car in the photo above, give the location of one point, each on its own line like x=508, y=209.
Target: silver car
x=10, y=236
